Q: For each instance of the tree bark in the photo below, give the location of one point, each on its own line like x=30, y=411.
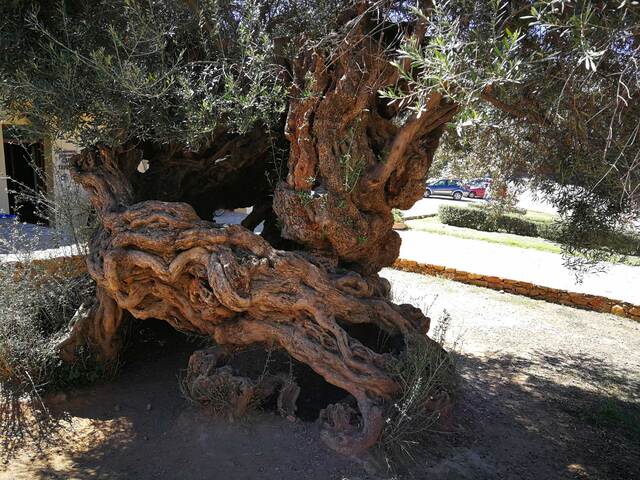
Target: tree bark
x=160, y=260
x=352, y=160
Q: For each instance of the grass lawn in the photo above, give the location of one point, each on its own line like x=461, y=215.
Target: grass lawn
x=433, y=225
x=539, y=217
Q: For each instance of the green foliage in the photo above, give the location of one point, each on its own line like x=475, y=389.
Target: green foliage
x=305, y=197
x=36, y=306
x=428, y=381
x=352, y=165
x=39, y=298
x=462, y=217
x=35, y=309
x=624, y=243
x=167, y=71
x=546, y=89
x=546, y=94
x=480, y=219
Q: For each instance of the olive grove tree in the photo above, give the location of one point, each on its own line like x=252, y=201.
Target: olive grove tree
x=322, y=115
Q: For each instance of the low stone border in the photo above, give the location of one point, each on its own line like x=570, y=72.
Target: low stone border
x=584, y=301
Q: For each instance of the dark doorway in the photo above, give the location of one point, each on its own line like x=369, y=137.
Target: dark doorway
x=24, y=162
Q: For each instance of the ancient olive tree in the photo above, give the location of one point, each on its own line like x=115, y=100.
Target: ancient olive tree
x=321, y=115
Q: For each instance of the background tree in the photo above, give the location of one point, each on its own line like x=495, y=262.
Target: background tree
x=324, y=116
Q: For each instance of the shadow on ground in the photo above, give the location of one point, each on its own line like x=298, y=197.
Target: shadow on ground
x=542, y=417
x=538, y=416
x=138, y=426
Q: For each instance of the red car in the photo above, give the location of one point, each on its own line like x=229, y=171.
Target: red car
x=476, y=190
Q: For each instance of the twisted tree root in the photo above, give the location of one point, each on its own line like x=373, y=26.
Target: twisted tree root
x=159, y=260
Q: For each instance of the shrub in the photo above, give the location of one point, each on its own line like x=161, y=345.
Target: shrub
x=480, y=219
x=36, y=304
x=515, y=225
x=624, y=243
x=427, y=377
x=38, y=298
x=463, y=217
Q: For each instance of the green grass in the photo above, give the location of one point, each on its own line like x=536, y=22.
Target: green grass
x=539, y=217
x=433, y=225
x=533, y=216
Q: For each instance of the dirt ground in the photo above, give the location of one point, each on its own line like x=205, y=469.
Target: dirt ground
x=547, y=392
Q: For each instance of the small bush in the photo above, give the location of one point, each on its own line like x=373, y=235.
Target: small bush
x=38, y=298
x=624, y=243
x=480, y=219
x=428, y=380
x=515, y=225
x=36, y=305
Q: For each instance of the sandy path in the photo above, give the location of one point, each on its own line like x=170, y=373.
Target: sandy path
x=548, y=391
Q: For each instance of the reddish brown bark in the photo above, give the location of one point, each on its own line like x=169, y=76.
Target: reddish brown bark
x=351, y=162
x=160, y=260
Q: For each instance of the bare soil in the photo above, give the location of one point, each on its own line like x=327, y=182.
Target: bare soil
x=546, y=392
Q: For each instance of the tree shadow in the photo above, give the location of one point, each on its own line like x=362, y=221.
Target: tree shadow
x=138, y=425
x=538, y=415
x=549, y=416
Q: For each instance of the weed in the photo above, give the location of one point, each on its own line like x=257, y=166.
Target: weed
x=427, y=377
x=222, y=394
x=309, y=86
x=305, y=197
x=352, y=165
x=398, y=216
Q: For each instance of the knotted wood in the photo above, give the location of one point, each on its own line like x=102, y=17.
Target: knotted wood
x=159, y=260
x=353, y=158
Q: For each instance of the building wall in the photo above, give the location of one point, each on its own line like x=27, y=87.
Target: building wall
x=55, y=154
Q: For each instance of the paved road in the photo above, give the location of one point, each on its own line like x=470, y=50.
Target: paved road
x=429, y=206
x=541, y=268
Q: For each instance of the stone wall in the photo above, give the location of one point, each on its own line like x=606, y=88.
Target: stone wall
x=554, y=295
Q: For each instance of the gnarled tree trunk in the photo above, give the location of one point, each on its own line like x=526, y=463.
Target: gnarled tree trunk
x=351, y=162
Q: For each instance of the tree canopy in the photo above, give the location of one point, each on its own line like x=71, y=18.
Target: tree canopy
x=546, y=90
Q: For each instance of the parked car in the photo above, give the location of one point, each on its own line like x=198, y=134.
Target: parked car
x=476, y=191
x=447, y=186
x=478, y=188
